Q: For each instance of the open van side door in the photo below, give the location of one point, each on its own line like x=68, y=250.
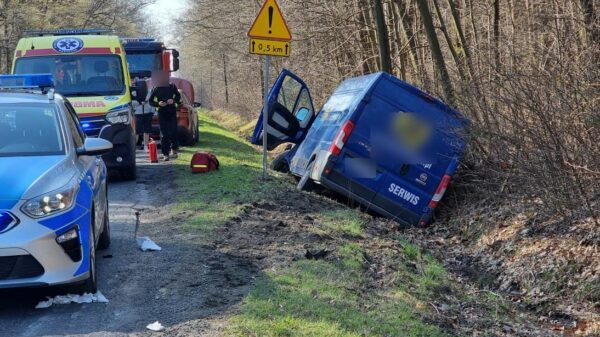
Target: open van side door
x=290, y=112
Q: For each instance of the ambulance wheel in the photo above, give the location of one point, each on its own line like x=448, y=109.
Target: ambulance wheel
x=305, y=183
x=104, y=241
x=280, y=163
x=184, y=136
x=129, y=173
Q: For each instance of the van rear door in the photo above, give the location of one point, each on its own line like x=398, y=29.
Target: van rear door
x=425, y=140
x=290, y=112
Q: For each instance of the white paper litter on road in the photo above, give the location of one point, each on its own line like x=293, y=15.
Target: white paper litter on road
x=66, y=299
x=146, y=244
x=156, y=326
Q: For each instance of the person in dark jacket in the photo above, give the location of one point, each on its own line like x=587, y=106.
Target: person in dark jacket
x=166, y=98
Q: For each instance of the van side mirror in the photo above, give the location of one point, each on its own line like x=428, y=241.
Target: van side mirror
x=197, y=104
x=139, y=91
x=94, y=147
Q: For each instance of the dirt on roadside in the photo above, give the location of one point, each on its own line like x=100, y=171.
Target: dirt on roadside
x=198, y=281
x=273, y=233
x=546, y=265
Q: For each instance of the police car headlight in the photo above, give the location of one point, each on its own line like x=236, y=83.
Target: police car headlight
x=51, y=203
x=118, y=117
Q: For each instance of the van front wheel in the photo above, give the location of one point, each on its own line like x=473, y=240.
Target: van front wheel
x=305, y=183
x=280, y=163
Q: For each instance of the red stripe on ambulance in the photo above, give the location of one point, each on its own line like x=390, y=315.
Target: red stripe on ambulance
x=45, y=52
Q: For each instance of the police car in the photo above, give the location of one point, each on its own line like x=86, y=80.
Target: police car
x=53, y=188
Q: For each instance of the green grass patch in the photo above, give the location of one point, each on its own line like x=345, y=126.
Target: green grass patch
x=216, y=197
x=233, y=122
x=348, y=221
x=352, y=256
x=332, y=297
x=424, y=273
x=411, y=251
x=322, y=298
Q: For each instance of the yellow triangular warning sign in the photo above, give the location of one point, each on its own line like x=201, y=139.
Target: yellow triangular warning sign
x=270, y=24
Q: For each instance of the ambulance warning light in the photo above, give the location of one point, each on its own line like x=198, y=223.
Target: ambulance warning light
x=61, y=32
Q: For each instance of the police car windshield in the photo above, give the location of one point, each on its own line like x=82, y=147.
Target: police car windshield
x=30, y=130
x=78, y=75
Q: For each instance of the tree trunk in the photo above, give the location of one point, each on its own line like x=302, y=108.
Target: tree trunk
x=459, y=29
x=592, y=25
x=382, y=38
x=366, y=36
x=497, y=34
x=225, y=79
x=444, y=30
x=436, y=51
x=406, y=40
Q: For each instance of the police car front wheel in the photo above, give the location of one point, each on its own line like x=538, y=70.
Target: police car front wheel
x=90, y=285
x=104, y=241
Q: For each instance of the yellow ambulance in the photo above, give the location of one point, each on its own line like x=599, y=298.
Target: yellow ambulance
x=90, y=69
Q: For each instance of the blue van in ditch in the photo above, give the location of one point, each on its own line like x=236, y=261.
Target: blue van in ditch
x=377, y=140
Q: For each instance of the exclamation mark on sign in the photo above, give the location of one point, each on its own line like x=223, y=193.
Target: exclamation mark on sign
x=271, y=9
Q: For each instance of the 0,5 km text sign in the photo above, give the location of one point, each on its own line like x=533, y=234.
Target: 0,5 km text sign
x=267, y=47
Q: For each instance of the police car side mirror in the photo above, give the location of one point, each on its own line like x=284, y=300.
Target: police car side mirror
x=139, y=91
x=94, y=147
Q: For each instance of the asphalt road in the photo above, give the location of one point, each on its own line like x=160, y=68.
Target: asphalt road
x=187, y=286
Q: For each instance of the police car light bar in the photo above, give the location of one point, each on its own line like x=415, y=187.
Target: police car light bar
x=59, y=32
x=27, y=81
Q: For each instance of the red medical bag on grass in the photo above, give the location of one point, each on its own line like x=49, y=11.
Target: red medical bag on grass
x=203, y=162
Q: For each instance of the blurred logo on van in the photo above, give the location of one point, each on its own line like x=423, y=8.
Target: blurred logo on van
x=412, y=132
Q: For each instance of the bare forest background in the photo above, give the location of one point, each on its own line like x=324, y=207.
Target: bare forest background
x=526, y=72
x=524, y=207
x=17, y=16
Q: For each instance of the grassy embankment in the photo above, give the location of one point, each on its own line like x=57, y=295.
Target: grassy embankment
x=330, y=297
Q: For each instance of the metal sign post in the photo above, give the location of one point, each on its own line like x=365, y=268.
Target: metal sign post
x=266, y=116
x=269, y=36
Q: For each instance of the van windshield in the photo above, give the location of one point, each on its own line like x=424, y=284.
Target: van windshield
x=80, y=75
x=337, y=108
x=30, y=130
